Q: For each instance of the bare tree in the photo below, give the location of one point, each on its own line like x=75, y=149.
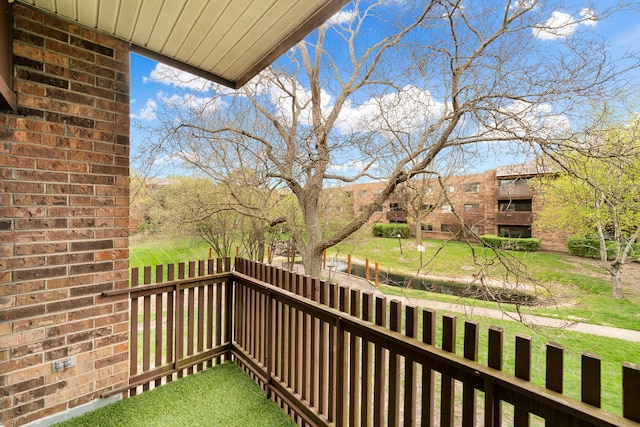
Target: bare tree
x=384, y=90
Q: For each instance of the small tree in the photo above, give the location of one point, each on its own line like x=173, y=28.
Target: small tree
x=598, y=194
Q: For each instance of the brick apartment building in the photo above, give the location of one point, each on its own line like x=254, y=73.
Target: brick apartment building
x=500, y=202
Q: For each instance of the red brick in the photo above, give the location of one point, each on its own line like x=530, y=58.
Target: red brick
x=39, y=273
x=67, y=328
x=91, y=312
x=42, y=248
x=39, y=322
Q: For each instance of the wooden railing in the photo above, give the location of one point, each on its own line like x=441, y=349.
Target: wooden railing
x=514, y=192
x=179, y=324
x=329, y=355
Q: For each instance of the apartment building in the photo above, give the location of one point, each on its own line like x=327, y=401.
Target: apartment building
x=501, y=202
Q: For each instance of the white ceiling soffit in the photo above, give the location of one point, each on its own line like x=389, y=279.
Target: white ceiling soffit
x=226, y=41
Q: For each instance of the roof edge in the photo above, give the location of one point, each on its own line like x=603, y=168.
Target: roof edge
x=317, y=19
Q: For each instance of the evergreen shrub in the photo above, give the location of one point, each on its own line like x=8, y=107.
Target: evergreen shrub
x=391, y=230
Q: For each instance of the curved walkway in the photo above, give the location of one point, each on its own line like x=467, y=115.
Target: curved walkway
x=587, y=328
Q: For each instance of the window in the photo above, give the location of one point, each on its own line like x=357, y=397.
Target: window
x=379, y=209
x=513, y=182
x=426, y=227
x=395, y=207
x=514, y=205
x=376, y=192
x=427, y=208
x=429, y=190
x=514, y=231
x=471, y=207
x=445, y=209
x=451, y=189
x=362, y=193
x=474, y=187
x=445, y=228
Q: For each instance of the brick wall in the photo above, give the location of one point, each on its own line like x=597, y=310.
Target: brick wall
x=64, y=203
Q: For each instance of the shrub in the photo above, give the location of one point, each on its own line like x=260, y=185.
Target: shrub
x=590, y=248
x=391, y=230
x=512, y=244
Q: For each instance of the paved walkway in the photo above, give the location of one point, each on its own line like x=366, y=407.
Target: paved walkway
x=605, y=331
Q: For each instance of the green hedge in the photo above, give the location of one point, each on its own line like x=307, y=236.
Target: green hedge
x=391, y=230
x=512, y=244
x=590, y=248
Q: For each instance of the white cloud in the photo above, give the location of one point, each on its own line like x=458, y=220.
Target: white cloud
x=342, y=17
x=407, y=111
x=177, y=78
x=589, y=17
x=350, y=168
x=561, y=24
x=522, y=119
x=148, y=112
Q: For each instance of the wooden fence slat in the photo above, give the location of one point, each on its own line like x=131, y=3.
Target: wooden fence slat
x=300, y=339
x=333, y=379
x=146, y=328
x=133, y=331
x=631, y=391
x=447, y=384
x=367, y=363
x=380, y=371
x=522, y=371
x=428, y=378
x=316, y=354
x=493, y=405
x=354, y=362
x=158, y=326
x=170, y=321
x=591, y=379
x=410, y=384
x=554, y=377
x=469, y=393
x=179, y=354
x=554, y=367
x=191, y=308
x=395, y=321
x=201, y=315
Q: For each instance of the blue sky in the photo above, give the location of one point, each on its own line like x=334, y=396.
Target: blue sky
x=621, y=33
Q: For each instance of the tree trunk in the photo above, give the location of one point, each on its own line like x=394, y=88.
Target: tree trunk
x=616, y=285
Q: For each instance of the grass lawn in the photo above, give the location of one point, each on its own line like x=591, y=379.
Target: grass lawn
x=577, y=288
x=221, y=396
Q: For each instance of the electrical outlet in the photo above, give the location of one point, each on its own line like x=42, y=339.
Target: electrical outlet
x=61, y=365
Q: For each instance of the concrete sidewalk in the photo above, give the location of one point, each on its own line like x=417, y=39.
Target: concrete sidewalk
x=357, y=282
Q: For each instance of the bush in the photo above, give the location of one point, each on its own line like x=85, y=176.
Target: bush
x=512, y=244
x=590, y=248
x=391, y=230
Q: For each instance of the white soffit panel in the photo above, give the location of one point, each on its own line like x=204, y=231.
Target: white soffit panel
x=228, y=41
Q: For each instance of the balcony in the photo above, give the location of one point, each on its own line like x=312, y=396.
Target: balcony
x=514, y=218
x=334, y=356
x=397, y=216
x=514, y=192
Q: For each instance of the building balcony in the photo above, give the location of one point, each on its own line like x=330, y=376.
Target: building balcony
x=515, y=192
x=306, y=344
x=514, y=218
x=397, y=216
